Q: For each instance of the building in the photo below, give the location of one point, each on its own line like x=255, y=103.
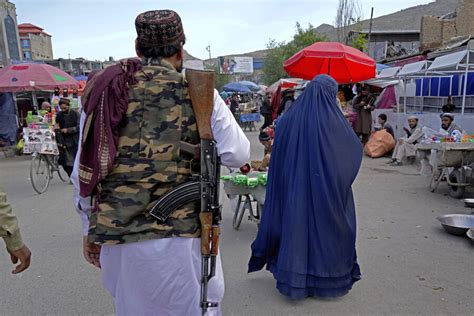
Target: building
x=9, y=39
x=438, y=31
x=397, y=34
x=35, y=42
x=77, y=66
x=390, y=43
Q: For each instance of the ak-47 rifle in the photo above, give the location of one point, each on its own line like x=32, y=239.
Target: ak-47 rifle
x=201, y=91
x=206, y=190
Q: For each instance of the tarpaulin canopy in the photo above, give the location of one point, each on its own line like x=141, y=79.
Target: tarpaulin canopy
x=381, y=67
x=34, y=77
x=8, y=118
x=283, y=84
x=449, y=62
x=411, y=69
x=389, y=72
x=345, y=64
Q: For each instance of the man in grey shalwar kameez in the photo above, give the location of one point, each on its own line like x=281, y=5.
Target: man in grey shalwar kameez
x=405, y=147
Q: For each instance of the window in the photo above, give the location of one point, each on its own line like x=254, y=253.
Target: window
x=12, y=39
x=25, y=43
x=27, y=55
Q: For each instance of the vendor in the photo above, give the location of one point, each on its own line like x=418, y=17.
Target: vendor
x=68, y=124
x=267, y=143
x=364, y=105
x=447, y=124
x=45, y=110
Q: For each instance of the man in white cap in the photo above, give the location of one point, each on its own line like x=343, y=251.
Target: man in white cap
x=406, y=145
x=447, y=123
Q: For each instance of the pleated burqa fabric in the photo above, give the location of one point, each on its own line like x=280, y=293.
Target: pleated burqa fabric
x=307, y=233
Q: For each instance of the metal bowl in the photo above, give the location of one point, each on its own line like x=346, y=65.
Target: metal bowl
x=469, y=203
x=470, y=234
x=457, y=224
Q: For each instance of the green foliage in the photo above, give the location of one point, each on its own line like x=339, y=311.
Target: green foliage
x=221, y=79
x=281, y=51
x=359, y=40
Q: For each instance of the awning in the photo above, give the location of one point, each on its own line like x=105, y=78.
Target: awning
x=382, y=83
x=448, y=62
x=388, y=72
x=413, y=68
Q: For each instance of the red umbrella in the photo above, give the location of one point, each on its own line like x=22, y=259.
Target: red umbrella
x=34, y=77
x=345, y=64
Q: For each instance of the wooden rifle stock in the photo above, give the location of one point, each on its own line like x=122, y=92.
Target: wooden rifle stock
x=201, y=91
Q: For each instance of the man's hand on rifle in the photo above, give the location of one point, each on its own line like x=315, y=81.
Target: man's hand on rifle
x=91, y=252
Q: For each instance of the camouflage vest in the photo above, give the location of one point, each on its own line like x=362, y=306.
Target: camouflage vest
x=149, y=162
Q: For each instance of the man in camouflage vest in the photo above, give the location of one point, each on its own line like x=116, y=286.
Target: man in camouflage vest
x=148, y=266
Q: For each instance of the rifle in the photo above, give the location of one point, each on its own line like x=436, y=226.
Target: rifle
x=206, y=188
x=201, y=91
x=181, y=195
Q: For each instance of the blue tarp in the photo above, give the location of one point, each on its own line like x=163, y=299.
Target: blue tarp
x=8, y=118
x=251, y=117
x=381, y=67
x=81, y=77
x=443, y=86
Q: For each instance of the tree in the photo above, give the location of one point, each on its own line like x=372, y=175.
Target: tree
x=348, y=13
x=220, y=80
x=358, y=39
x=278, y=52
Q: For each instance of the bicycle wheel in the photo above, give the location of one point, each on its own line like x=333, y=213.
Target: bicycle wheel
x=55, y=167
x=40, y=174
x=238, y=214
x=62, y=174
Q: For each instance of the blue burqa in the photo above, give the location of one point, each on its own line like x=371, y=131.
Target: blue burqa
x=307, y=232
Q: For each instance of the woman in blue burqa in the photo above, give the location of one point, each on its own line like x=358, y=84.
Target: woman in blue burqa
x=307, y=232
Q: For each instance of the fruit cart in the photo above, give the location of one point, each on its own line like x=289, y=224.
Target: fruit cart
x=250, y=191
x=451, y=161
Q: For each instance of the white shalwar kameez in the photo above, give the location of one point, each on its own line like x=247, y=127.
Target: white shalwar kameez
x=162, y=276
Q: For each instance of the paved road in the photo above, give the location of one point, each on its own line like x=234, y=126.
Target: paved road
x=409, y=264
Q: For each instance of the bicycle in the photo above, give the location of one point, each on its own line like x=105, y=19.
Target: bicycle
x=41, y=171
x=244, y=203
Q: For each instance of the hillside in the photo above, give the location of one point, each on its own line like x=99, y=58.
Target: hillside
x=408, y=19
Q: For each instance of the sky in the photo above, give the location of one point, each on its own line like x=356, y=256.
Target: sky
x=95, y=29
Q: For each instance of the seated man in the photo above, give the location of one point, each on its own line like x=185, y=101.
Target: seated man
x=447, y=123
x=405, y=147
x=384, y=125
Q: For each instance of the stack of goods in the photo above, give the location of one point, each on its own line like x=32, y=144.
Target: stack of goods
x=455, y=138
x=44, y=120
x=250, y=181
